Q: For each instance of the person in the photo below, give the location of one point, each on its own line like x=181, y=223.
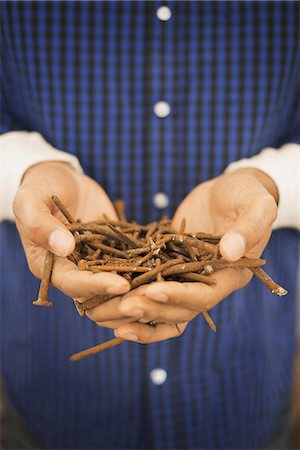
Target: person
x=182, y=108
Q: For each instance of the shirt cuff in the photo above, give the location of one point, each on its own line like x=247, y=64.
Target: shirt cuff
x=283, y=166
x=20, y=150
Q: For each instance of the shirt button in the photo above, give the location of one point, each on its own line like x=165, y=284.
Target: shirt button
x=162, y=109
x=164, y=13
x=158, y=376
x=160, y=200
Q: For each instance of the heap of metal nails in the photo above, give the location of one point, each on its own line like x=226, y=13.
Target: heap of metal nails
x=142, y=255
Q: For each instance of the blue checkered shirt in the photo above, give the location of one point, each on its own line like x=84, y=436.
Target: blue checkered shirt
x=87, y=75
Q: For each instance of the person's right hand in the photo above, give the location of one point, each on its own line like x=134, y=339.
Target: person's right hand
x=41, y=226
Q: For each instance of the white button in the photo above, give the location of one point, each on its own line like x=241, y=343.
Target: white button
x=160, y=200
x=162, y=109
x=164, y=13
x=158, y=376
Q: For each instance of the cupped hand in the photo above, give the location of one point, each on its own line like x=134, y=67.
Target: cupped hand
x=41, y=226
x=240, y=206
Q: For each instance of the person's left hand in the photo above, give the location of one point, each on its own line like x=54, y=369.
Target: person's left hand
x=240, y=206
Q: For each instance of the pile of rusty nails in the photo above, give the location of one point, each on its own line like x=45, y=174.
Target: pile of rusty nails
x=143, y=254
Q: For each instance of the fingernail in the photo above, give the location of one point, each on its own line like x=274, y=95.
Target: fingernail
x=61, y=242
x=129, y=337
x=117, y=288
x=234, y=246
x=158, y=296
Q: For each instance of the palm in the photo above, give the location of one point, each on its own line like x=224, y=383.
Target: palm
x=213, y=207
x=82, y=196
x=87, y=200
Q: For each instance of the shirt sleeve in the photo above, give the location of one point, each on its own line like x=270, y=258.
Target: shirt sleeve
x=283, y=166
x=20, y=150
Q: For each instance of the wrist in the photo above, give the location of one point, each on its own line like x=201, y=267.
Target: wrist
x=264, y=179
x=21, y=151
x=45, y=168
x=51, y=178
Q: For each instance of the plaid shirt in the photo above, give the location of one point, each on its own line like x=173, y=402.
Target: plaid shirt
x=87, y=76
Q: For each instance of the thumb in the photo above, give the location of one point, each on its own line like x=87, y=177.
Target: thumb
x=250, y=227
x=41, y=227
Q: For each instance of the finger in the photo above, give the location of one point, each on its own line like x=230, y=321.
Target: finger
x=41, y=227
x=199, y=296
x=257, y=212
x=81, y=283
x=109, y=311
x=146, y=334
x=155, y=311
x=113, y=324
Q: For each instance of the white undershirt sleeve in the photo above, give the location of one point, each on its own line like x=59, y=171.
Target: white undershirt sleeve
x=283, y=166
x=20, y=150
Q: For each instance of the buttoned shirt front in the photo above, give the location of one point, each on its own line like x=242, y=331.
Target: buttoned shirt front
x=153, y=98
